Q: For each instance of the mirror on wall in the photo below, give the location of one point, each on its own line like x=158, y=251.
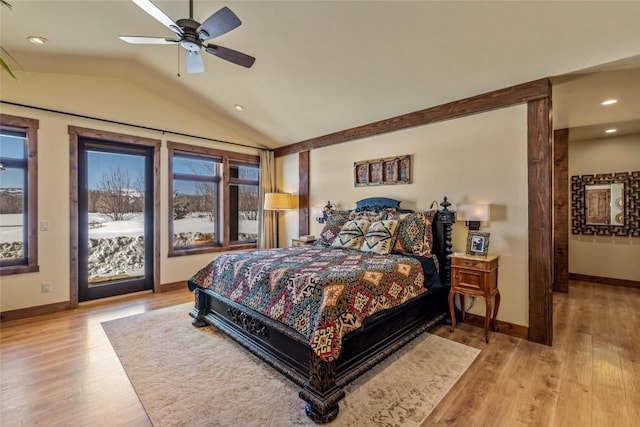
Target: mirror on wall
x=606, y=204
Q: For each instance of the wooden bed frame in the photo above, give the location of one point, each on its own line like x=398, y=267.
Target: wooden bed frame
x=289, y=352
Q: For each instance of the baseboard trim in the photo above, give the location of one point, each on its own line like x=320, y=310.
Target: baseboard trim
x=506, y=328
x=23, y=313
x=605, y=280
x=174, y=286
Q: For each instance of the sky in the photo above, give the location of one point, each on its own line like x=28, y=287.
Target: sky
x=11, y=147
x=101, y=162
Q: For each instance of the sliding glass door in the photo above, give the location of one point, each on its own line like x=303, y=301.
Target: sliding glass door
x=115, y=218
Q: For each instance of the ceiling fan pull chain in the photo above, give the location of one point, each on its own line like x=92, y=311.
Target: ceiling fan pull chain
x=178, y=59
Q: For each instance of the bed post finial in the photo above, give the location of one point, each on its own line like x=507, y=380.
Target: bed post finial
x=445, y=204
x=446, y=219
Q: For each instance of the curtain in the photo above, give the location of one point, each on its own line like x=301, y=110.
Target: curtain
x=266, y=219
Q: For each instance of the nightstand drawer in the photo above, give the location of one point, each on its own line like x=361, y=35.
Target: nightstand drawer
x=468, y=279
x=479, y=264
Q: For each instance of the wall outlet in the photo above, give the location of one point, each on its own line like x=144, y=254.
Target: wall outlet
x=44, y=225
x=46, y=287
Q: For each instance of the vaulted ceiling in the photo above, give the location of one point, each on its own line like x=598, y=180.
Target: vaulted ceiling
x=322, y=66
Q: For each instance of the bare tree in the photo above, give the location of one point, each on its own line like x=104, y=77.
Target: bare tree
x=10, y=203
x=180, y=206
x=116, y=195
x=206, y=191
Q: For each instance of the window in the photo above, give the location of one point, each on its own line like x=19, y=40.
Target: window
x=18, y=195
x=213, y=203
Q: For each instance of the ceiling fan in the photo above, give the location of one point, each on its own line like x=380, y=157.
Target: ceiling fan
x=193, y=36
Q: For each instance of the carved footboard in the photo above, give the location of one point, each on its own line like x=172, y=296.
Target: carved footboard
x=283, y=349
x=288, y=352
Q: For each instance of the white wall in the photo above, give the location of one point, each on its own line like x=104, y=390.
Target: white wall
x=105, y=98
x=480, y=158
x=604, y=256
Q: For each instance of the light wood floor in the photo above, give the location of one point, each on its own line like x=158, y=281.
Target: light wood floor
x=60, y=370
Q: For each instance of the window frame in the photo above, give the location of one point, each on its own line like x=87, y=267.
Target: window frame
x=30, y=127
x=238, y=182
x=226, y=158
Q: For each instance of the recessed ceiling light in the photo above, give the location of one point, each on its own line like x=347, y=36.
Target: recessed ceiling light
x=611, y=131
x=238, y=107
x=37, y=39
x=610, y=102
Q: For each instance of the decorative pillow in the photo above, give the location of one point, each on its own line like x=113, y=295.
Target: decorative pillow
x=380, y=237
x=351, y=235
x=392, y=213
x=371, y=216
x=414, y=234
x=328, y=234
x=338, y=218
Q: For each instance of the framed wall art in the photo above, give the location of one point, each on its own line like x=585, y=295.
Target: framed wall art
x=387, y=171
x=477, y=243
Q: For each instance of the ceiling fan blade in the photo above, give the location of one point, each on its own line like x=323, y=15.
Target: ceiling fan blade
x=146, y=40
x=218, y=24
x=195, y=63
x=159, y=15
x=231, y=55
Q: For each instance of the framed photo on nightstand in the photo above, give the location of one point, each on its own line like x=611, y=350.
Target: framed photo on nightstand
x=477, y=243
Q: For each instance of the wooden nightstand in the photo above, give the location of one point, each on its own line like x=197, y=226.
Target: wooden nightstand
x=300, y=242
x=475, y=276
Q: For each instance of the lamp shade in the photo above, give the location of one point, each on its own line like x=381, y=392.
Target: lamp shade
x=477, y=212
x=277, y=201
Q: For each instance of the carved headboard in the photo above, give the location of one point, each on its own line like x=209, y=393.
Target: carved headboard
x=379, y=204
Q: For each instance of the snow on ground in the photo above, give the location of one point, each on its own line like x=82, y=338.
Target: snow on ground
x=115, y=247
x=102, y=226
x=11, y=228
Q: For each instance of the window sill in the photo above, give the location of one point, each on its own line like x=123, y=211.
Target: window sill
x=209, y=250
x=18, y=269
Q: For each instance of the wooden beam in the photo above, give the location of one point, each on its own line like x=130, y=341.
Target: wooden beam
x=501, y=98
x=540, y=221
x=303, y=193
x=561, y=210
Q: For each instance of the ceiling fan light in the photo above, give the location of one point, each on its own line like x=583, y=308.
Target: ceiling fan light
x=609, y=102
x=612, y=130
x=195, y=64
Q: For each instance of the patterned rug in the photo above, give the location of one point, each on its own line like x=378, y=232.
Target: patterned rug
x=199, y=377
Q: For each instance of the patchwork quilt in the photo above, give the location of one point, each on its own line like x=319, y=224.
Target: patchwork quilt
x=323, y=293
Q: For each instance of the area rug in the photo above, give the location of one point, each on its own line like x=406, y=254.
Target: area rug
x=186, y=376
